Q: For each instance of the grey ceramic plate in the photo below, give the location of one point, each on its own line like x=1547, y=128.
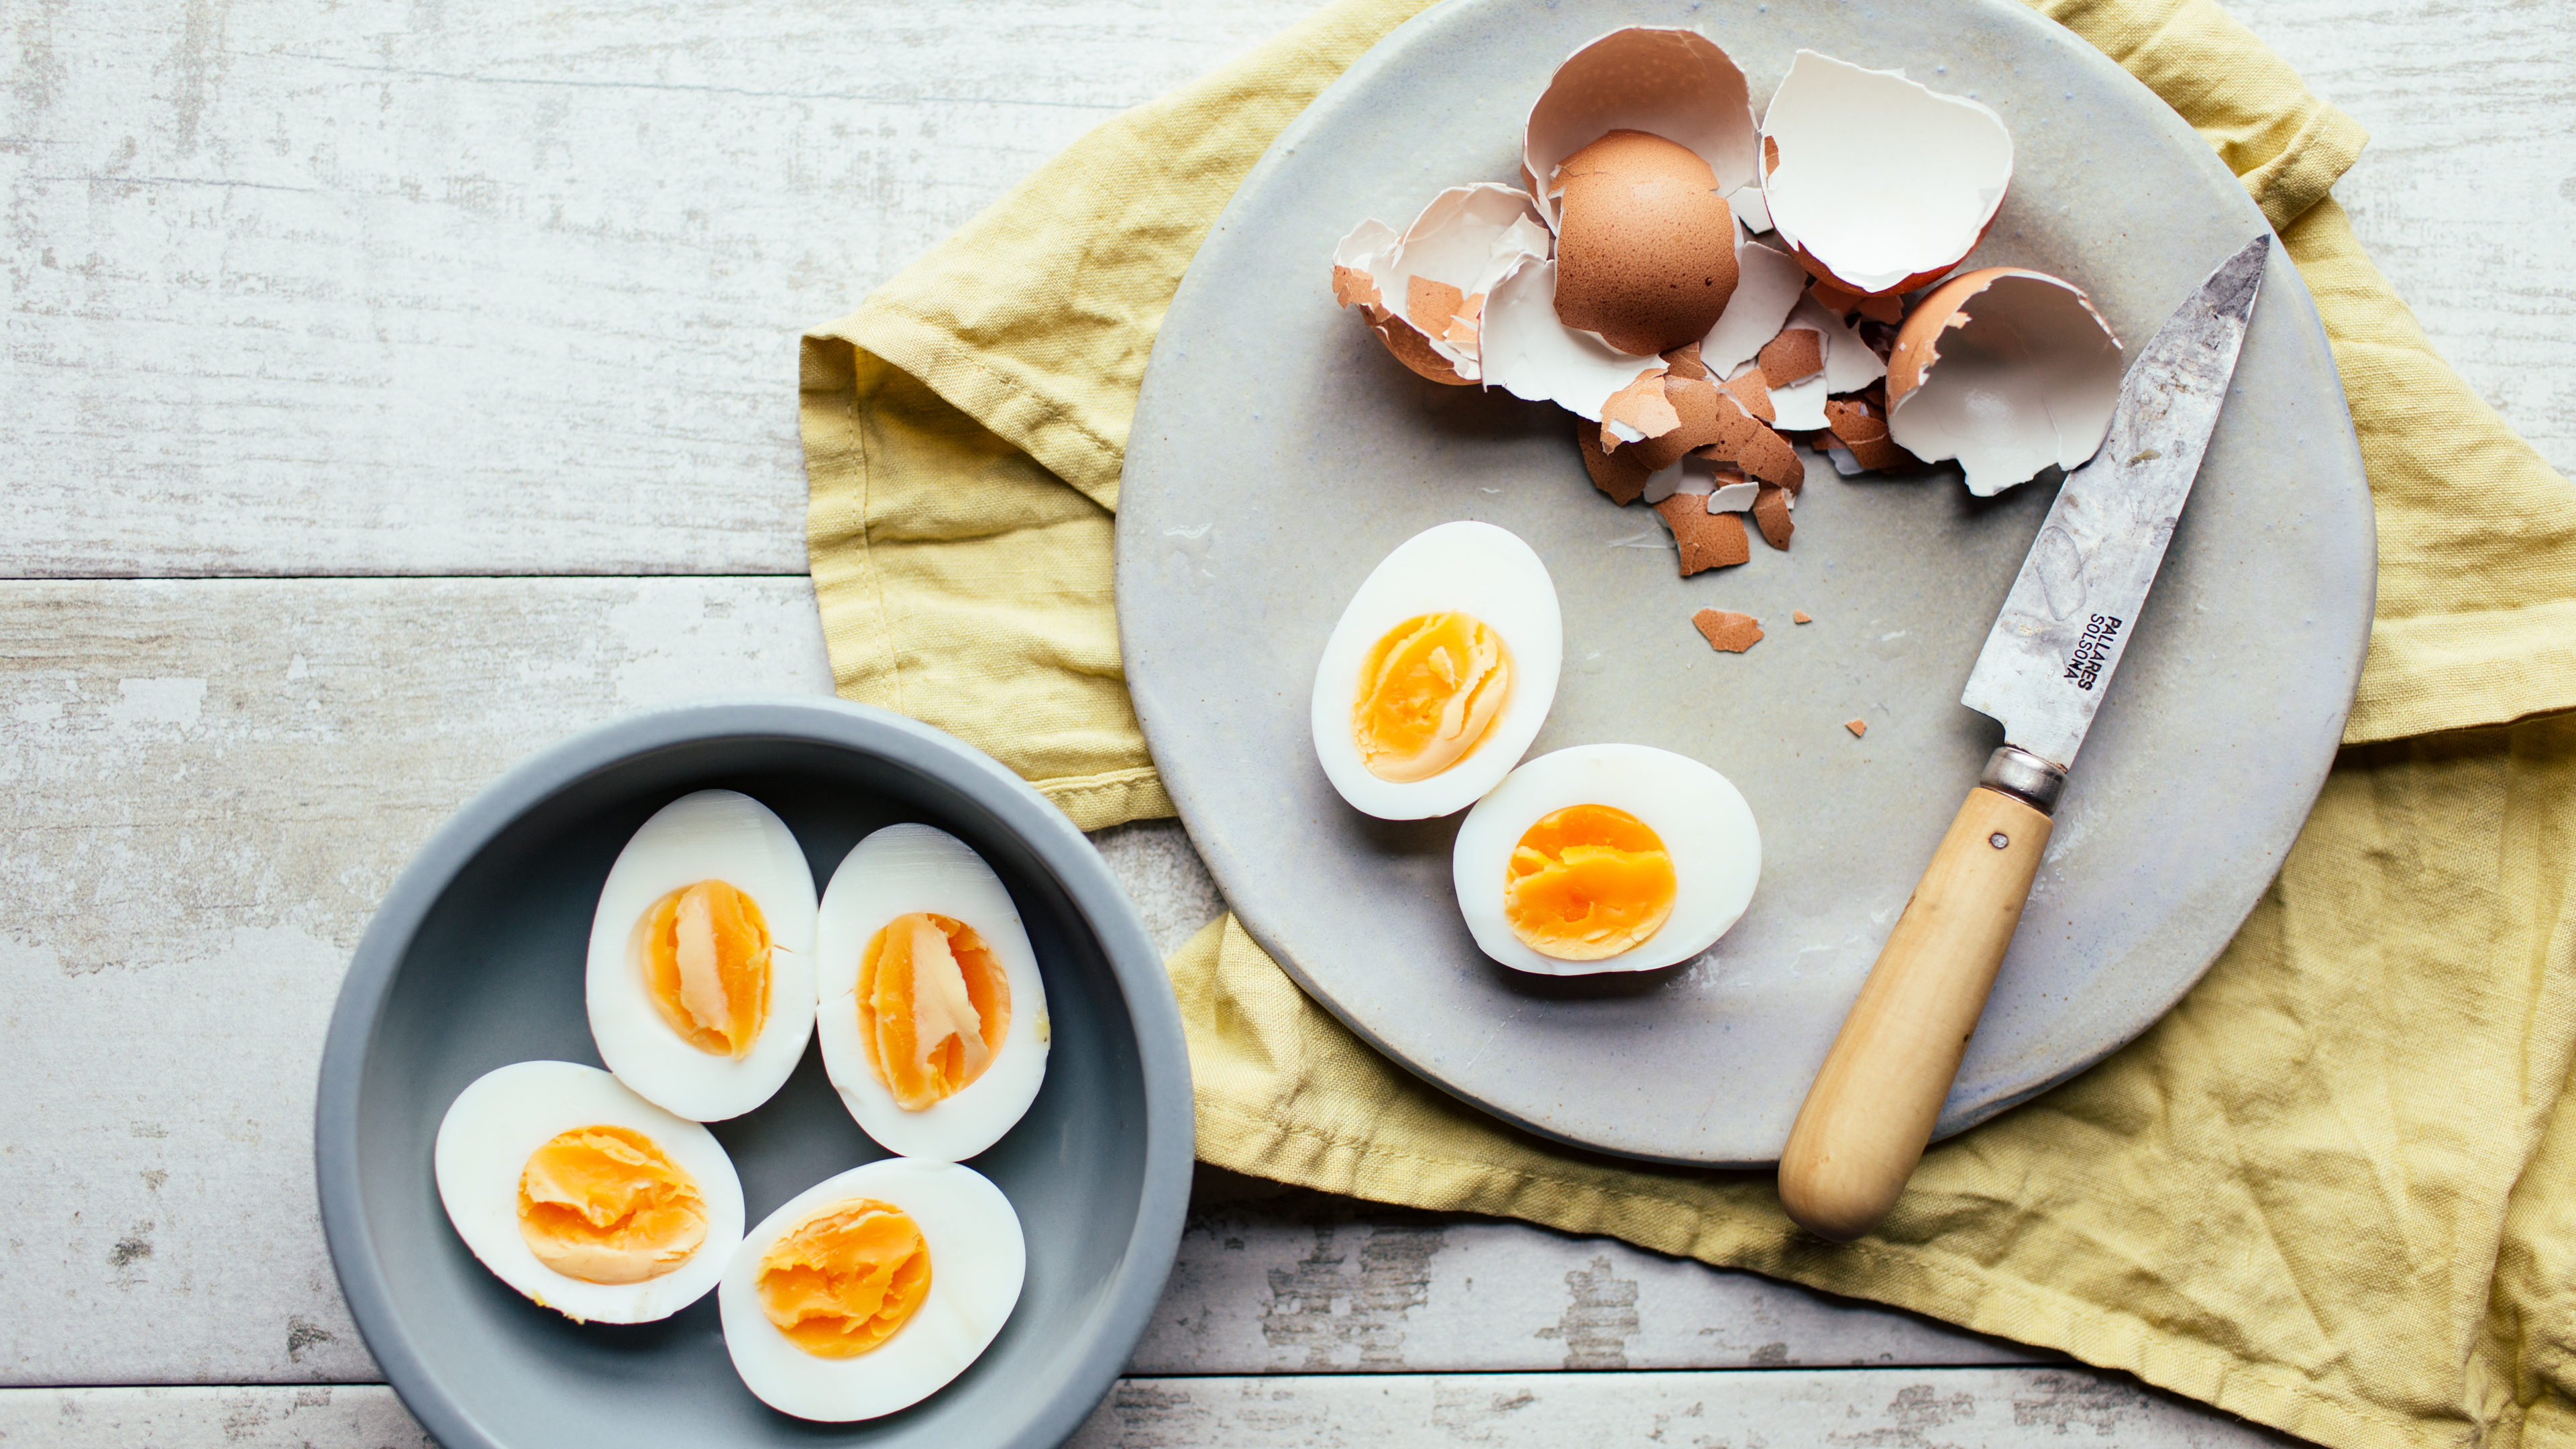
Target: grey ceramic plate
x=1278, y=453
x=475, y=960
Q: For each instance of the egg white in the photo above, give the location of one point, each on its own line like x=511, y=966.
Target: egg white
x=896, y=871
x=483, y=1145
x=978, y=1259
x=720, y=835
x=1701, y=817
x=1465, y=567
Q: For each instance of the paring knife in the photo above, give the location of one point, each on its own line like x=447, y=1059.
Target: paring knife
x=2043, y=672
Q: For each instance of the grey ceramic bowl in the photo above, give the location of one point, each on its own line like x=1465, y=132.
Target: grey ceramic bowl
x=475, y=960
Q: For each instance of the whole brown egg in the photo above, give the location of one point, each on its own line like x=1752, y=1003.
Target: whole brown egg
x=1645, y=251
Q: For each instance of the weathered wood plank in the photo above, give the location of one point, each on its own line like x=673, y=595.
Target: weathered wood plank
x=1281, y=1280
x=427, y=290
x=1956, y=1408
x=1959, y=1408
x=2467, y=195
x=440, y=289
x=205, y=787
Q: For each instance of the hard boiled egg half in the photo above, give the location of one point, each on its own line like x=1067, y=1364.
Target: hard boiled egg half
x=1605, y=858
x=701, y=976
x=933, y=1016
x=585, y=1197
x=868, y=1292
x=1439, y=674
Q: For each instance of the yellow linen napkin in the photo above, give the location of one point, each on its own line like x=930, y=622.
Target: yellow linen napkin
x=2321, y=1193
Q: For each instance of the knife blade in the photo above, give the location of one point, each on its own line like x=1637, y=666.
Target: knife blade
x=2043, y=672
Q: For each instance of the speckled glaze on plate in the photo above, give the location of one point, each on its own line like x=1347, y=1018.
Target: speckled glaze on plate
x=1278, y=453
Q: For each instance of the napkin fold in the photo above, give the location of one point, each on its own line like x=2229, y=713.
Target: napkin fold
x=2323, y=1192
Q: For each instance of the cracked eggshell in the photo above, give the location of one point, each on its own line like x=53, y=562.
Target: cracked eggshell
x=1768, y=283
x=1645, y=247
x=1666, y=82
x=1532, y=355
x=1423, y=292
x=1878, y=183
x=2007, y=371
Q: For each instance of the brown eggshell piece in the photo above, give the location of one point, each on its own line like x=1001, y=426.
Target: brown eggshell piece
x=1771, y=515
x=1858, y=727
x=1645, y=251
x=1696, y=405
x=1704, y=540
x=1642, y=406
x=1752, y=388
x=1794, y=356
x=1683, y=362
x=1800, y=616
x=1616, y=473
x=1410, y=347
x=1726, y=632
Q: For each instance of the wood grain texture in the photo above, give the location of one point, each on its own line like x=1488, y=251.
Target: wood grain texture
x=2467, y=194
x=422, y=288
x=1952, y=1408
x=401, y=287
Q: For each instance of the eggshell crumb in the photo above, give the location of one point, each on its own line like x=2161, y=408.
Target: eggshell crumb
x=1704, y=540
x=1877, y=183
x=1617, y=474
x=1858, y=727
x=2006, y=370
x=1771, y=515
x=1800, y=617
x=1727, y=633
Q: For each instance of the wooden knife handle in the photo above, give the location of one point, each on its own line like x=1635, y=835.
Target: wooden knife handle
x=1870, y=1112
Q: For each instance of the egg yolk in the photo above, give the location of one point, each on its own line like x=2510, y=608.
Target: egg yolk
x=1587, y=882
x=706, y=960
x=603, y=1204
x=933, y=1008
x=1429, y=691
x=846, y=1279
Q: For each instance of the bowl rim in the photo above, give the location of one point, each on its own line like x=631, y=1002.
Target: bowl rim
x=1135, y=963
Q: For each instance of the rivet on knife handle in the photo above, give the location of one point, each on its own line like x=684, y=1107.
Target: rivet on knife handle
x=1870, y=1113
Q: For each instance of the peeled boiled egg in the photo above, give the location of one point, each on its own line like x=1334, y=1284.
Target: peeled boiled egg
x=585, y=1197
x=869, y=1291
x=1439, y=673
x=1605, y=858
x=701, y=974
x=933, y=1017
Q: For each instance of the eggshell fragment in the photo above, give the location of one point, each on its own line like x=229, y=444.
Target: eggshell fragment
x=1734, y=497
x=1645, y=250
x=1796, y=354
x=1618, y=473
x=1801, y=617
x=1860, y=427
x=1754, y=448
x=1728, y=633
x=1423, y=292
x=1858, y=727
x=1665, y=82
x=1752, y=391
x=1877, y=183
x=1771, y=515
x=1704, y=540
x=1526, y=351
x=1768, y=282
x=1850, y=362
x=1751, y=213
x=2007, y=371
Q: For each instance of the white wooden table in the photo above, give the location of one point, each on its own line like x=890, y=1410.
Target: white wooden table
x=395, y=388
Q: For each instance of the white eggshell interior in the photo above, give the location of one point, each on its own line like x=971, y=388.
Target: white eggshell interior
x=896, y=871
x=1768, y=283
x=712, y=834
x=483, y=1145
x=978, y=1259
x=1880, y=179
x=1532, y=355
x=1463, y=567
x=1699, y=814
x=2030, y=379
